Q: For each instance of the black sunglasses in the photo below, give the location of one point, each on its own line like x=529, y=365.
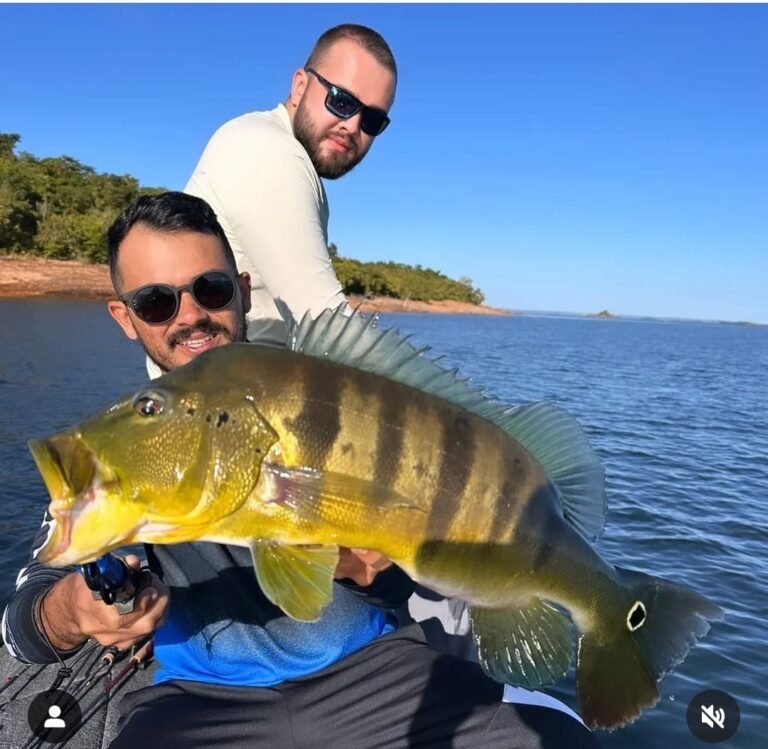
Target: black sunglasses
x=157, y=303
x=341, y=103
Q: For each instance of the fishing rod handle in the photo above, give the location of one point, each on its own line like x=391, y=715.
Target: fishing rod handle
x=114, y=582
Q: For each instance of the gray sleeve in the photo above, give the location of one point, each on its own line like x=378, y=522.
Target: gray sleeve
x=20, y=626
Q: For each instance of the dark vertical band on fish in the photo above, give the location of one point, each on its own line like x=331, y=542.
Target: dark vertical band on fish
x=458, y=452
x=322, y=399
x=390, y=438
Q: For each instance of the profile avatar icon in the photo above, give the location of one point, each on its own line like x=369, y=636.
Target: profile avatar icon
x=53, y=716
x=54, y=721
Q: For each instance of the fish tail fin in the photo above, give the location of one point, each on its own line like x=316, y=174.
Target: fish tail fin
x=621, y=659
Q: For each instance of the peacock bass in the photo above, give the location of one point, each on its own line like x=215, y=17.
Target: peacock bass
x=352, y=437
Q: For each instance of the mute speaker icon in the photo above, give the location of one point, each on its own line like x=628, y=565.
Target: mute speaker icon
x=712, y=717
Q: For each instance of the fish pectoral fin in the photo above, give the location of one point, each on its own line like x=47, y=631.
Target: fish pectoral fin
x=298, y=579
x=308, y=491
x=527, y=646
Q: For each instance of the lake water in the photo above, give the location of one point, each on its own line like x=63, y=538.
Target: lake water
x=677, y=411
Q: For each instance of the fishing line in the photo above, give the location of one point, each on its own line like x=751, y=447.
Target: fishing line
x=116, y=584
x=9, y=680
x=67, y=673
x=100, y=668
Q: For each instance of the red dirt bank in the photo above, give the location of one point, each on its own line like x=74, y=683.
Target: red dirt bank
x=22, y=276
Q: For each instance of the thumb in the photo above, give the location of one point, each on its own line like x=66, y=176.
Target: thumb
x=132, y=561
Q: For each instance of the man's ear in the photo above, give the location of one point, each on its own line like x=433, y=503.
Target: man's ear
x=298, y=86
x=120, y=315
x=244, y=281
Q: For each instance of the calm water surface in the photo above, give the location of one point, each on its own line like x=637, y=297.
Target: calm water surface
x=677, y=411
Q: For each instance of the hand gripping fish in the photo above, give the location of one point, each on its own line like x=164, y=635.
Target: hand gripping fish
x=352, y=437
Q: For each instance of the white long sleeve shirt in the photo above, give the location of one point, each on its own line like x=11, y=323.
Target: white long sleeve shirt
x=273, y=208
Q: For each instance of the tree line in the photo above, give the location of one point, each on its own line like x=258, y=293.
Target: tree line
x=401, y=281
x=59, y=208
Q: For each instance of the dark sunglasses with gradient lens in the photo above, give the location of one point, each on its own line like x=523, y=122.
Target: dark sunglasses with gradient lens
x=158, y=302
x=341, y=103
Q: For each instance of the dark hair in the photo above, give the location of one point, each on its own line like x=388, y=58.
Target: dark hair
x=371, y=41
x=166, y=212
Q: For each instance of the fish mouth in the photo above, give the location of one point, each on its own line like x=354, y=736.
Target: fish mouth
x=67, y=466
x=74, y=478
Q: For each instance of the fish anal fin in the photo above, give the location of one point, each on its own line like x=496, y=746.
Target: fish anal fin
x=527, y=646
x=298, y=579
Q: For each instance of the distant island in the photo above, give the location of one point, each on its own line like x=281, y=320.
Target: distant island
x=54, y=214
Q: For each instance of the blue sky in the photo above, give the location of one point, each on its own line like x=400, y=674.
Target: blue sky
x=565, y=157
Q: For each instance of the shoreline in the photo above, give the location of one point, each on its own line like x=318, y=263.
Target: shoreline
x=22, y=276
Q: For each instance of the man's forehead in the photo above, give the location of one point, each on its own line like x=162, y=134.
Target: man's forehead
x=351, y=66
x=148, y=255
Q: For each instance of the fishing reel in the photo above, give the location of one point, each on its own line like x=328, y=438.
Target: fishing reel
x=111, y=580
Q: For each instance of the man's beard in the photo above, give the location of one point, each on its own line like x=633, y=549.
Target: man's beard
x=207, y=327
x=328, y=166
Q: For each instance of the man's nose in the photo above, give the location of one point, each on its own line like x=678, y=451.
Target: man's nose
x=352, y=125
x=190, y=312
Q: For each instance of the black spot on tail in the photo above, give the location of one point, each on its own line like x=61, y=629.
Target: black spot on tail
x=222, y=419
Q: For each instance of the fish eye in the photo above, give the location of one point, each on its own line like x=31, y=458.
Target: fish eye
x=149, y=404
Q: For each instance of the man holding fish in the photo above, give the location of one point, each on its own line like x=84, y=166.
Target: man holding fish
x=233, y=666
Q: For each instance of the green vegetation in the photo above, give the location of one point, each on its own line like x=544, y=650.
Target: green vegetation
x=401, y=281
x=60, y=208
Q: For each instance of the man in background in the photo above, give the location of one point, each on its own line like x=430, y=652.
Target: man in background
x=262, y=173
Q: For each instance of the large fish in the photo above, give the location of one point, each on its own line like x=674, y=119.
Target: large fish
x=351, y=437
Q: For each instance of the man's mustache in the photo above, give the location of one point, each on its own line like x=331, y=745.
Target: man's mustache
x=207, y=327
x=345, y=139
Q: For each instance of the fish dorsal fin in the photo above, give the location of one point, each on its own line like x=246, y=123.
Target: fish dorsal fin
x=549, y=433
x=558, y=442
